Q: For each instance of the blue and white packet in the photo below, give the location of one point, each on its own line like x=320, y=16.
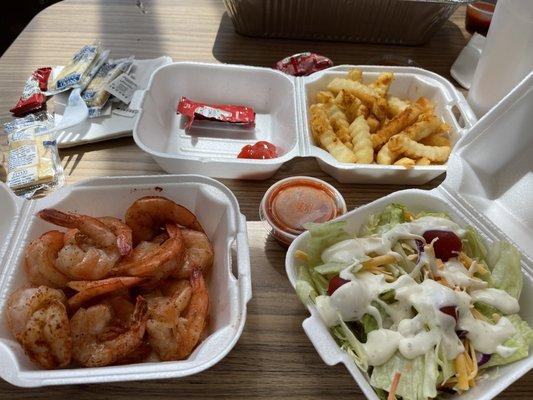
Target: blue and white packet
x=80, y=70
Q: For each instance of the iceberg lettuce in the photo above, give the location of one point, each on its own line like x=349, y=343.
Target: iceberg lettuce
x=393, y=214
x=520, y=341
x=503, y=260
x=418, y=379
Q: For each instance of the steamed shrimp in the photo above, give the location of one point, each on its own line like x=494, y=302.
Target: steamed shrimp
x=155, y=261
x=40, y=260
x=96, y=342
x=149, y=214
x=169, y=303
x=174, y=337
x=198, y=254
x=38, y=319
x=92, y=246
x=88, y=290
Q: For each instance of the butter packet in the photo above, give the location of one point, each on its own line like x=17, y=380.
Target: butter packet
x=33, y=164
x=80, y=70
x=95, y=94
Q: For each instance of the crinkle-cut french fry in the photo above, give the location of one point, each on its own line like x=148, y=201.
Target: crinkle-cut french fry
x=323, y=131
x=385, y=156
x=405, y=162
x=409, y=148
x=355, y=75
x=362, y=143
x=425, y=126
x=382, y=83
x=428, y=106
x=349, y=104
x=339, y=123
x=363, y=110
x=437, y=139
x=369, y=96
x=395, y=106
x=423, y=161
x=397, y=124
x=373, y=123
x=324, y=96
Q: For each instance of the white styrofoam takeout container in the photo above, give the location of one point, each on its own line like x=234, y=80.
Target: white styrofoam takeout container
x=489, y=186
x=229, y=281
x=281, y=103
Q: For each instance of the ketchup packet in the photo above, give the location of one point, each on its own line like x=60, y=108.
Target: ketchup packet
x=234, y=114
x=32, y=98
x=303, y=64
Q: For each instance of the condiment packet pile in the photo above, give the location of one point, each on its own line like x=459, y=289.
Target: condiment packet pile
x=33, y=164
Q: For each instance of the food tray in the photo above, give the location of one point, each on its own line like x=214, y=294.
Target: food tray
x=408, y=22
x=281, y=103
x=488, y=187
x=229, y=281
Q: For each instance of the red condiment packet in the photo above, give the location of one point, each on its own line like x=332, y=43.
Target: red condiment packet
x=32, y=98
x=303, y=64
x=235, y=114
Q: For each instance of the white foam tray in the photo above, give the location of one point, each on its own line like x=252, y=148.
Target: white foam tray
x=229, y=281
x=489, y=186
x=281, y=103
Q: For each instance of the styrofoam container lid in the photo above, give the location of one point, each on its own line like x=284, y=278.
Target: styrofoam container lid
x=488, y=186
x=229, y=281
x=281, y=103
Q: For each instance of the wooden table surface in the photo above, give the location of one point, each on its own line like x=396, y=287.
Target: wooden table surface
x=273, y=358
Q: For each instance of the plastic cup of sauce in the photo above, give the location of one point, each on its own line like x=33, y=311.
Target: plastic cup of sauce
x=479, y=16
x=292, y=202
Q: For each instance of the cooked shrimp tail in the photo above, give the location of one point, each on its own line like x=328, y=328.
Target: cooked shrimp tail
x=40, y=258
x=158, y=262
x=90, y=226
x=193, y=324
x=88, y=290
x=95, y=344
x=149, y=214
x=121, y=231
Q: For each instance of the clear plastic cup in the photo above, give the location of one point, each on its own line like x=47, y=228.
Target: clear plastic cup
x=507, y=56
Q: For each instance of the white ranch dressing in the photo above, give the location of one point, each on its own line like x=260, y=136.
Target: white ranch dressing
x=351, y=251
x=414, y=336
x=498, y=298
x=455, y=273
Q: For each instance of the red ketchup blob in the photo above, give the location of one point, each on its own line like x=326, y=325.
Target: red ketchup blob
x=335, y=283
x=260, y=151
x=446, y=246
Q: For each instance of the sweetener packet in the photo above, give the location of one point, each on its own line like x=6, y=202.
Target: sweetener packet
x=33, y=164
x=235, y=114
x=95, y=94
x=33, y=98
x=80, y=70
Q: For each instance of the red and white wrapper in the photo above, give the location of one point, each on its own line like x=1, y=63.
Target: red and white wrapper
x=32, y=98
x=242, y=115
x=303, y=64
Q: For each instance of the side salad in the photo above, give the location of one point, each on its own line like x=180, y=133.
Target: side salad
x=422, y=305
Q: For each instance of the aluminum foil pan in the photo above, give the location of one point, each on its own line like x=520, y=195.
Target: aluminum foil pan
x=408, y=22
